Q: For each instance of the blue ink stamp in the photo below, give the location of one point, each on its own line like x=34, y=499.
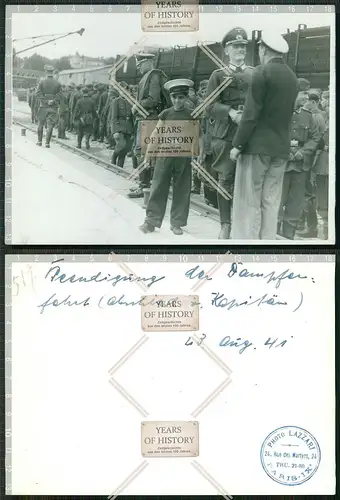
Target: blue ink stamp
x=290, y=455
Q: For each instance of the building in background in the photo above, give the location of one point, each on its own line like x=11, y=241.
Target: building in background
x=85, y=76
x=78, y=62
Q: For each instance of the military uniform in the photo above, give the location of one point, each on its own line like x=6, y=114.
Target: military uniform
x=74, y=97
x=309, y=213
x=49, y=96
x=84, y=115
x=63, y=114
x=101, y=105
x=122, y=128
x=95, y=98
x=321, y=170
x=223, y=127
x=151, y=96
x=113, y=94
x=196, y=181
x=304, y=138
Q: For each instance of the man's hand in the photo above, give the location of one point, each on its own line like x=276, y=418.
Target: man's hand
x=235, y=115
x=234, y=153
x=313, y=178
x=298, y=155
x=134, y=109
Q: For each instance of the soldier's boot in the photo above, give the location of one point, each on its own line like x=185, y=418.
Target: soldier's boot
x=310, y=232
x=40, y=136
x=325, y=231
x=114, y=158
x=176, y=230
x=48, y=137
x=288, y=231
x=87, y=143
x=137, y=192
x=196, y=187
x=224, y=231
x=147, y=228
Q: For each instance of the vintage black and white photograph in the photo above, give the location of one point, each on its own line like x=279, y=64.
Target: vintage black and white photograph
x=220, y=135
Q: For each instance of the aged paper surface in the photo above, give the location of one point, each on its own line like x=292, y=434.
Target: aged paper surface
x=170, y=313
x=170, y=439
x=264, y=347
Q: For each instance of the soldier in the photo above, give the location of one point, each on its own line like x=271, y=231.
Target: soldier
x=95, y=98
x=113, y=94
x=202, y=91
x=320, y=173
x=31, y=102
x=48, y=95
x=84, y=115
x=63, y=113
x=304, y=140
x=74, y=97
x=122, y=128
x=101, y=105
x=152, y=97
x=175, y=168
x=226, y=111
x=310, y=207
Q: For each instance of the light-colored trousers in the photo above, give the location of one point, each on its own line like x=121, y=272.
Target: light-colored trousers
x=257, y=197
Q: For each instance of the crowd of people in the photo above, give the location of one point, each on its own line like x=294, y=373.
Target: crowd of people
x=264, y=139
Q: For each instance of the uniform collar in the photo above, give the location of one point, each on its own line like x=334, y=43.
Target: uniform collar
x=237, y=68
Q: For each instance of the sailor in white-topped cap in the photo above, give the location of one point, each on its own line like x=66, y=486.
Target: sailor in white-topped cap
x=261, y=145
x=171, y=168
x=179, y=86
x=274, y=41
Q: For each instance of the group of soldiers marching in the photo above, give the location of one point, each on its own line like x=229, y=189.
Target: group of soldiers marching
x=103, y=113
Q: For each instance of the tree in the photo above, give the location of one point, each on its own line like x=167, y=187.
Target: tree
x=62, y=63
x=36, y=62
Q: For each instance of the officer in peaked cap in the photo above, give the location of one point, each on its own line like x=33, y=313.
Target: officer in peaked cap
x=235, y=36
x=49, y=70
x=223, y=117
x=141, y=57
x=49, y=95
x=274, y=41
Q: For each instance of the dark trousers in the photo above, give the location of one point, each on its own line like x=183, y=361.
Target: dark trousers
x=46, y=118
x=196, y=181
x=224, y=204
x=95, y=131
x=63, y=119
x=322, y=183
x=84, y=130
x=292, y=201
x=179, y=170
x=310, y=204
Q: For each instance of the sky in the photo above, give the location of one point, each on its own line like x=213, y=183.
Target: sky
x=107, y=35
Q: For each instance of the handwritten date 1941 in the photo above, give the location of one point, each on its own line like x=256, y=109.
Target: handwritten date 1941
x=238, y=343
